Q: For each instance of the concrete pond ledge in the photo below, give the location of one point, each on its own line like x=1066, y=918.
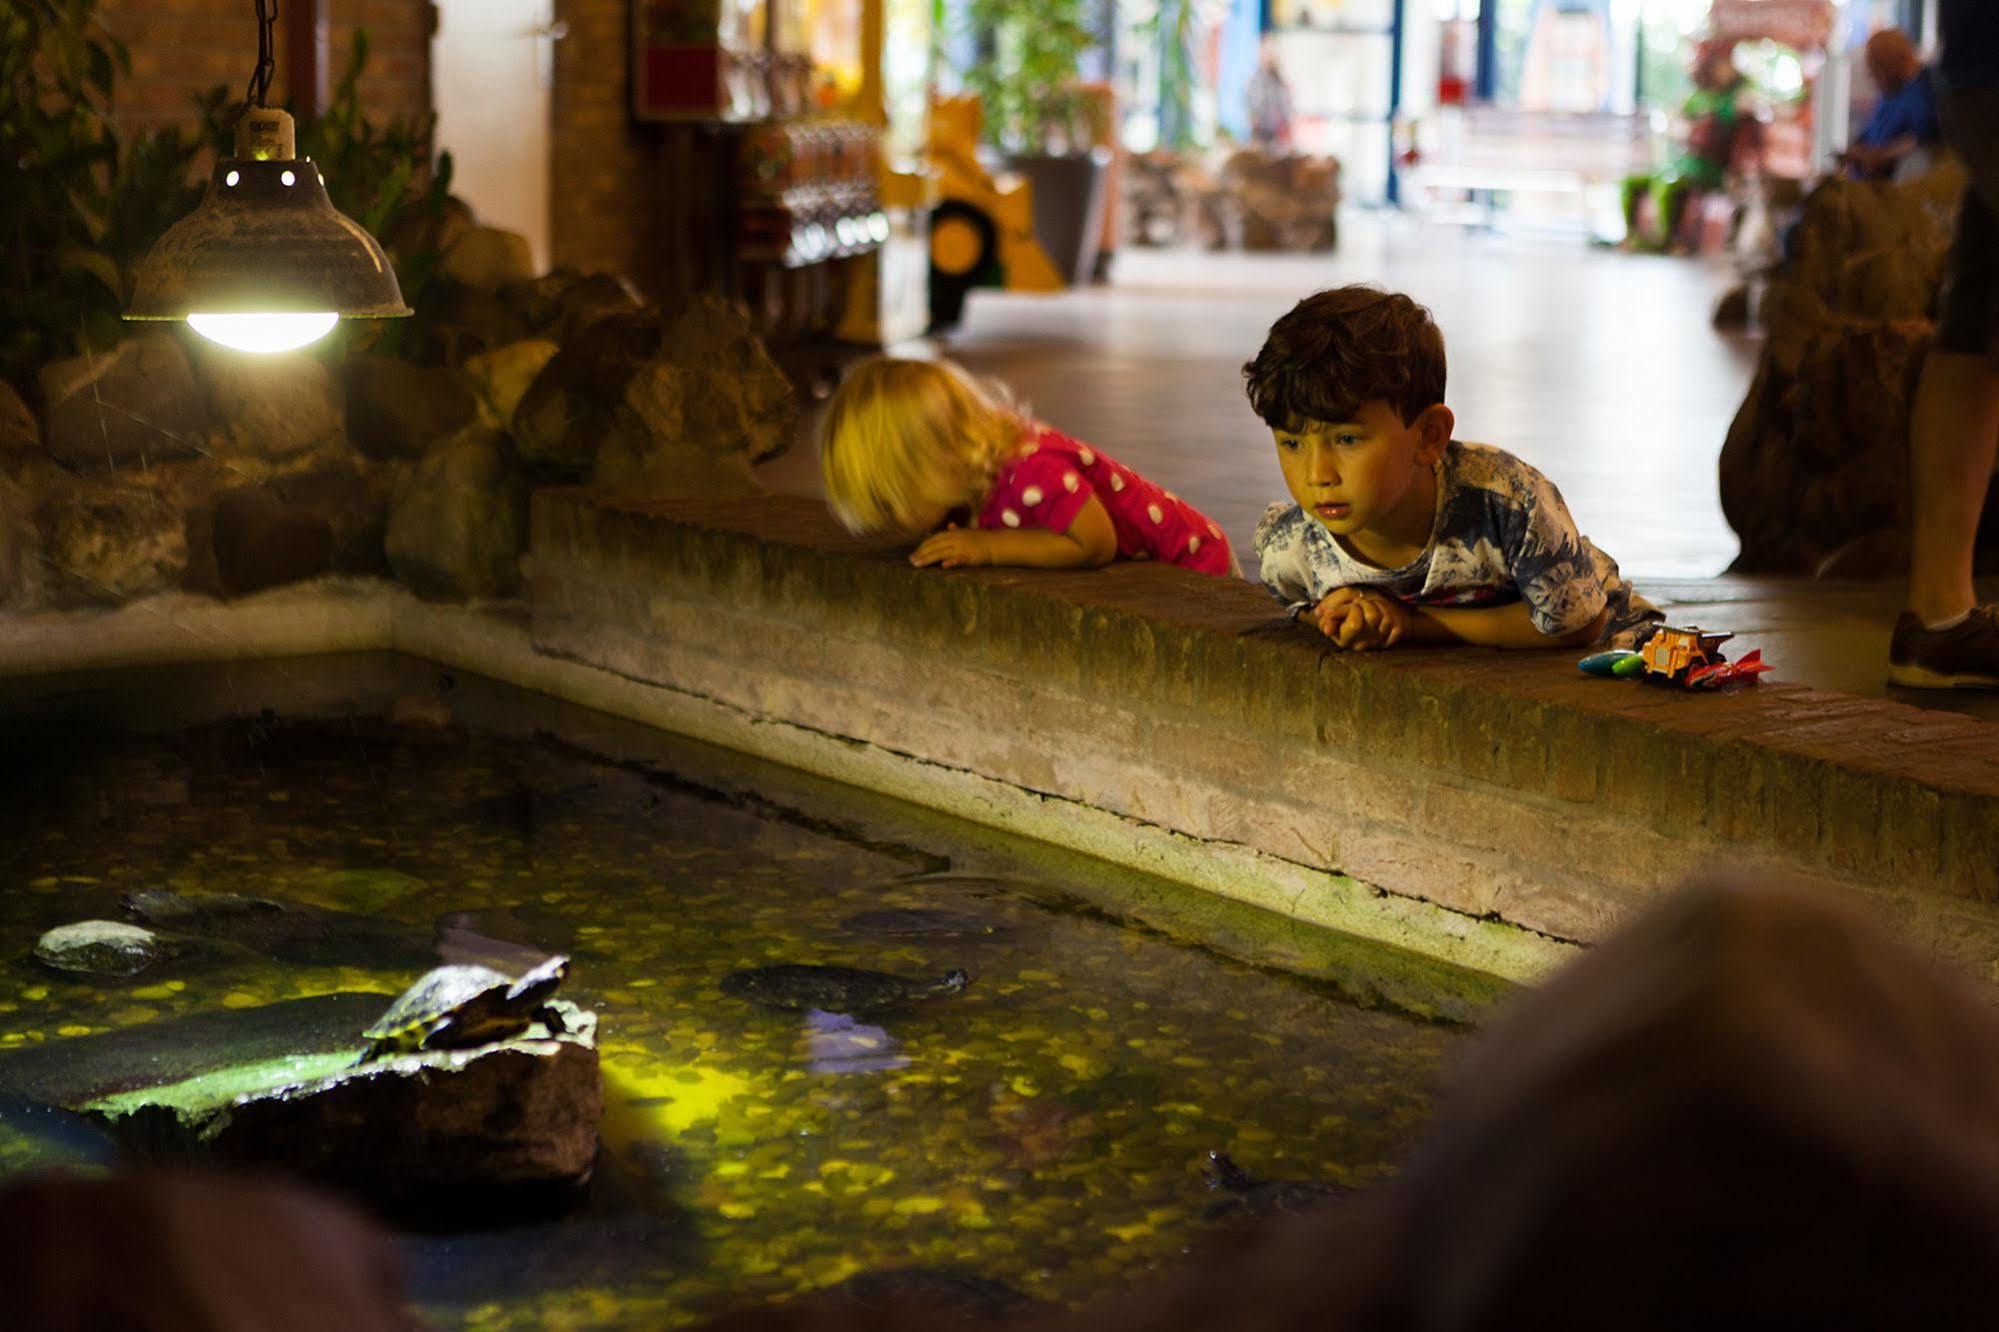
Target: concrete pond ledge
x=1471, y=818
x=1488, y=809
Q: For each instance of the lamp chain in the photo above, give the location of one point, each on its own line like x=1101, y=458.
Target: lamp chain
x=260, y=82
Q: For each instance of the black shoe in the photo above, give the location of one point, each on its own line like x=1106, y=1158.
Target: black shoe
x=1964, y=656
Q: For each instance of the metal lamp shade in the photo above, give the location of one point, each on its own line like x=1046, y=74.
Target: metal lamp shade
x=266, y=239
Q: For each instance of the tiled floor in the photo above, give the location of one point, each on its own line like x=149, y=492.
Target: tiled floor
x=1598, y=367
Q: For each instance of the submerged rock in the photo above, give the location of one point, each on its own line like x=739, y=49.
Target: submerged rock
x=429, y=1132
x=947, y=1291
x=837, y=989
x=304, y=935
x=108, y=948
x=919, y=922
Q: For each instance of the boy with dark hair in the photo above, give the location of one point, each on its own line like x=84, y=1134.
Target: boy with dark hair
x=1399, y=533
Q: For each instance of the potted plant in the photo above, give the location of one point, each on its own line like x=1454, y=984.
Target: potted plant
x=1040, y=119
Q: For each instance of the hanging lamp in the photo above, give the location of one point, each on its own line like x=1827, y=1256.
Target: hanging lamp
x=266, y=263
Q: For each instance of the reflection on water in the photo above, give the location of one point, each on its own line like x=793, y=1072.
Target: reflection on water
x=1045, y=1129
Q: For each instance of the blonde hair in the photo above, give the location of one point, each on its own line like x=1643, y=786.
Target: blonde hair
x=893, y=422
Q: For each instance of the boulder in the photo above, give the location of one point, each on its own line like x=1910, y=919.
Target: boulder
x=487, y=258
x=578, y=397
x=560, y=304
x=685, y=408
x=500, y=377
x=436, y=1131
x=104, y=948
x=261, y=541
x=19, y=431
x=588, y=299
x=457, y=320
x=133, y=405
x=459, y=520
x=22, y=585
x=740, y=401
x=397, y=409
x=105, y=542
x=1815, y=467
x=272, y=407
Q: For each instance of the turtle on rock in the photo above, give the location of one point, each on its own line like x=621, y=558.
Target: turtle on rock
x=458, y=1007
x=800, y=987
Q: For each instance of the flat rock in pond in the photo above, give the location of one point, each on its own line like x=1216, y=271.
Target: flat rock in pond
x=84, y=1068
x=453, y=1133
x=105, y=949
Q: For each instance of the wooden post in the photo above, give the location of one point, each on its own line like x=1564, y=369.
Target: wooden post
x=307, y=38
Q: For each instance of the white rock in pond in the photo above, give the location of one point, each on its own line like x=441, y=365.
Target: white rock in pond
x=102, y=948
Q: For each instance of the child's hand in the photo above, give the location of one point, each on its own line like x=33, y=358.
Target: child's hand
x=952, y=547
x=1358, y=620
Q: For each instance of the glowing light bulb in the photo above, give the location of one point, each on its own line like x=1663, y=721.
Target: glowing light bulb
x=264, y=332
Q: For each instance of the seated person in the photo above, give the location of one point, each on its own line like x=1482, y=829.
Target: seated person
x=1713, y=114
x=1399, y=534
x=1905, y=119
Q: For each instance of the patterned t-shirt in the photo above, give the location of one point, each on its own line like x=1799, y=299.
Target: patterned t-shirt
x=1049, y=481
x=1502, y=534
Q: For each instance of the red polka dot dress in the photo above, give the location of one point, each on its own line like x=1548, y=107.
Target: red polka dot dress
x=1048, y=483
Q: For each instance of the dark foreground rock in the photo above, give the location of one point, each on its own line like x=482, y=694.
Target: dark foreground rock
x=438, y=1132
x=170, y=1250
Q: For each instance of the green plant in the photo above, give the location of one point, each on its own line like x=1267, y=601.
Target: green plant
x=382, y=176
x=1027, y=77
x=1171, y=28
x=79, y=203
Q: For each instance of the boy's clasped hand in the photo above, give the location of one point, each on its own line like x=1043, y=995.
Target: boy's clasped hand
x=1356, y=619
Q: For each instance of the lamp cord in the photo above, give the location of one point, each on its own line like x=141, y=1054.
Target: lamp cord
x=260, y=82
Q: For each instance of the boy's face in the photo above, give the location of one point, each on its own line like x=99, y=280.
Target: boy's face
x=1360, y=475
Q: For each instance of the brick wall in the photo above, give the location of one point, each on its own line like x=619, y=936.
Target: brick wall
x=184, y=47
x=605, y=170
x=1502, y=787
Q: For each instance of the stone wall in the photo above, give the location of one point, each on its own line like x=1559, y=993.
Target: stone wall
x=1500, y=787
x=184, y=47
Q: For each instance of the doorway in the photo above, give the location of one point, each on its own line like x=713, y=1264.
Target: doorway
x=492, y=65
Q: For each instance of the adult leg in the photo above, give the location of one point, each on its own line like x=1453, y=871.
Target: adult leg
x=1944, y=639
x=1954, y=437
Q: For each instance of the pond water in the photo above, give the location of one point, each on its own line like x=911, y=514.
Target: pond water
x=1046, y=1128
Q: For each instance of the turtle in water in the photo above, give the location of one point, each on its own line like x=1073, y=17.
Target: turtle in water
x=1246, y=1195
x=457, y=1007
x=836, y=989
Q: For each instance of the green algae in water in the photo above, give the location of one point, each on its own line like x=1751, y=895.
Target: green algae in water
x=1046, y=1128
